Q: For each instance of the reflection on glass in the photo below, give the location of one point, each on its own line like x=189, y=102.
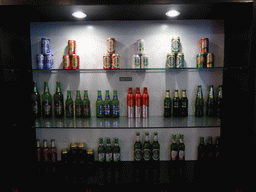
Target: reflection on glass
x=70, y=122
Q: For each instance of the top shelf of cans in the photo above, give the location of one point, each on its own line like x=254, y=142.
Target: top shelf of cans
x=140, y=61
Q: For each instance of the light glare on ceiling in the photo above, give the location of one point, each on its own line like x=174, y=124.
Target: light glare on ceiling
x=172, y=13
x=79, y=14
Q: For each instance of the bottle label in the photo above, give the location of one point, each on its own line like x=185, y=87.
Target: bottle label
x=78, y=109
x=145, y=111
x=130, y=111
x=173, y=155
x=108, y=157
x=181, y=155
x=115, y=109
x=58, y=107
x=116, y=157
x=138, y=154
x=46, y=107
x=107, y=109
x=70, y=108
x=156, y=155
x=35, y=107
x=167, y=105
x=146, y=154
x=101, y=157
x=87, y=109
x=101, y=109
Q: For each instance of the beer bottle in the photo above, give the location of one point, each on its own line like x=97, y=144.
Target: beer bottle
x=58, y=101
x=181, y=148
x=86, y=105
x=101, y=150
x=217, y=148
x=167, y=104
x=146, y=148
x=45, y=152
x=107, y=105
x=36, y=103
x=38, y=150
x=99, y=106
x=115, y=105
x=82, y=153
x=53, y=152
x=219, y=98
x=116, y=150
x=145, y=103
x=201, y=150
x=137, y=148
x=46, y=101
x=109, y=154
x=209, y=149
x=155, y=148
x=73, y=152
x=69, y=105
x=176, y=104
x=199, y=104
x=130, y=103
x=184, y=104
x=174, y=149
x=78, y=104
x=138, y=102
x=210, y=103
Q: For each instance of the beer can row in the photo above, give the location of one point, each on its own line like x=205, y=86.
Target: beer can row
x=139, y=61
x=204, y=60
x=175, y=60
x=45, y=61
x=71, y=61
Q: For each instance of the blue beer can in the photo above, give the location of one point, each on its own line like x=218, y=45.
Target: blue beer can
x=45, y=46
x=47, y=61
x=40, y=61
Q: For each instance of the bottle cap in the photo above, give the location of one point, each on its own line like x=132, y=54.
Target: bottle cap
x=137, y=90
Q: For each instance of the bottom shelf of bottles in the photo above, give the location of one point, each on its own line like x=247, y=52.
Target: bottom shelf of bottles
x=123, y=173
x=125, y=122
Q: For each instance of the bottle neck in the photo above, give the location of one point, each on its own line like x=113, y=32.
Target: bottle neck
x=176, y=94
x=69, y=95
x=99, y=95
x=78, y=96
x=137, y=138
x=184, y=93
x=167, y=94
x=155, y=138
x=86, y=95
x=35, y=88
x=146, y=138
x=46, y=88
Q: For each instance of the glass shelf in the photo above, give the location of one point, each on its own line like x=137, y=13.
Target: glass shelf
x=128, y=123
x=125, y=69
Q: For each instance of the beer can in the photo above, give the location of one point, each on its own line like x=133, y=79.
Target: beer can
x=144, y=61
x=171, y=60
x=136, y=61
x=175, y=44
x=66, y=62
x=200, y=60
x=75, y=61
x=140, y=46
x=111, y=45
x=106, y=61
x=115, y=61
x=40, y=61
x=204, y=45
x=210, y=60
x=47, y=61
x=180, y=60
x=71, y=47
x=45, y=46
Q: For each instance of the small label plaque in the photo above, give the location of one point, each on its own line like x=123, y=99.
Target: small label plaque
x=125, y=78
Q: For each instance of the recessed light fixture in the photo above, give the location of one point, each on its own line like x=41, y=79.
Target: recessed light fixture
x=172, y=13
x=79, y=14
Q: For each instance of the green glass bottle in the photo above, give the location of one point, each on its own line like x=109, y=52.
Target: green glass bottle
x=174, y=149
x=184, y=104
x=146, y=148
x=86, y=105
x=137, y=148
x=36, y=102
x=46, y=101
x=99, y=106
x=69, y=105
x=116, y=150
x=219, y=98
x=156, y=148
x=176, y=104
x=209, y=149
x=199, y=105
x=181, y=148
x=107, y=105
x=58, y=101
x=115, y=105
x=201, y=150
x=101, y=150
x=167, y=104
x=109, y=152
x=216, y=147
x=210, y=103
x=78, y=104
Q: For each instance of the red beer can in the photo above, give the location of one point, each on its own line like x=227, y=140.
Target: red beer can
x=107, y=61
x=115, y=61
x=75, y=61
x=111, y=45
x=71, y=47
x=204, y=45
x=66, y=62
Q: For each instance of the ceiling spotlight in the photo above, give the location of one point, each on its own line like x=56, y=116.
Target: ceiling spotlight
x=79, y=14
x=172, y=13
